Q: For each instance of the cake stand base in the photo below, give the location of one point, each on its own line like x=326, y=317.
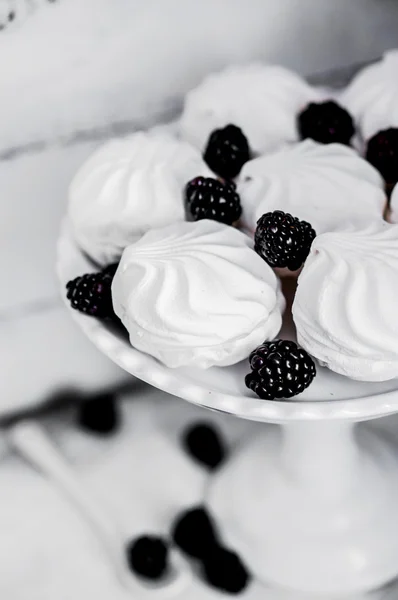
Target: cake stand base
x=312, y=507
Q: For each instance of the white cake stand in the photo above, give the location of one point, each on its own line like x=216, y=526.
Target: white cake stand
x=311, y=505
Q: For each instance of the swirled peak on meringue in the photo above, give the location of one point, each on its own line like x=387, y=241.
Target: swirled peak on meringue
x=372, y=96
x=345, y=308
x=196, y=294
x=128, y=186
x=262, y=100
x=325, y=185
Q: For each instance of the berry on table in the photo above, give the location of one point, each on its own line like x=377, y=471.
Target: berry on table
x=280, y=369
x=282, y=240
x=223, y=569
x=203, y=443
x=193, y=532
x=326, y=122
x=382, y=153
x=99, y=414
x=227, y=151
x=147, y=556
x=208, y=198
x=91, y=294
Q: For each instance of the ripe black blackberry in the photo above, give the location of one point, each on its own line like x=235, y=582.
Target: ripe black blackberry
x=209, y=198
x=203, y=442
x=91, y=294
x=193, y=532
x=223, y=569
x=148, y=556
x=382, y=153
x=227, y=151
x=326, y=122
x=99, y=414
x=282, y=240
x=280, y=369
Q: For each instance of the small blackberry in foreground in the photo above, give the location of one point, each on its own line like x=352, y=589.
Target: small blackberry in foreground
x=280, y=369
x=148, y=556
x=282, y=240
x=91, y=294
x=227, y=151
x=193, y=533
x=209, y=198
x=326, y=122
x=203, y=442
x=382, y=153
x=223, y=569
x=99, y=414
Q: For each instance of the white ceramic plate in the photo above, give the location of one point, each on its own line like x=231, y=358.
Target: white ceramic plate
x=330, y=396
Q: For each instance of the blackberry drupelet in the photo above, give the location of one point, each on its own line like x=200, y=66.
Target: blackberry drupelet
x=227, y=151
x=148, y=556
x=203, y=442
x=193, y=533
x=382, y=153
x=99, y=414
x=209, y=198
x=280, y=369
x=282, y=240
x=223, y=569
x=91, y=294
x=326, y=122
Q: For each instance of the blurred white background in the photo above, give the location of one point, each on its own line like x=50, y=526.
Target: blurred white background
x=73, y=71
x=83, y=63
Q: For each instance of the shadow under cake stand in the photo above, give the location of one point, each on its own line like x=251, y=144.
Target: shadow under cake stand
x=312, y=504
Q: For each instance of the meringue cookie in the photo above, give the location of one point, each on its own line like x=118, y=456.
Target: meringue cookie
x=127, y=187
x=326, y=185
x=345, y=308
x=262, y=100
x=372, y=96
x=196, y=294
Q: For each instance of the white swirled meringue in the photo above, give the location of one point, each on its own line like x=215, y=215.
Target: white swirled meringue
x=345, y=308
x=262, y=100
x=372, y=96
x=196, y=294
x=128, y=186
x=327, y=185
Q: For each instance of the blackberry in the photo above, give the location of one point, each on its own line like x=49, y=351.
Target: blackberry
x=326, y=122
x=91, y=294
x=110, y=269
x=280, y=369
x=282, y=240
x=193, y=533
x=99, y=414
x=223, y=569
x=203, y=443
x=227, y=151
x=209, y=198
x=148, y=556
x=382, y=153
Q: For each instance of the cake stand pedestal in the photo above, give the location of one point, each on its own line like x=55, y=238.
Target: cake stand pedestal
x=312, y=506
x=311, y=502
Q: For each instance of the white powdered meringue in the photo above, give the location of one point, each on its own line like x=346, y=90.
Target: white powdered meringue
x=128, y=186
x=372, y=96
x=196, y=294
x=262, y=100
x=327, y=185
x=345, y=309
